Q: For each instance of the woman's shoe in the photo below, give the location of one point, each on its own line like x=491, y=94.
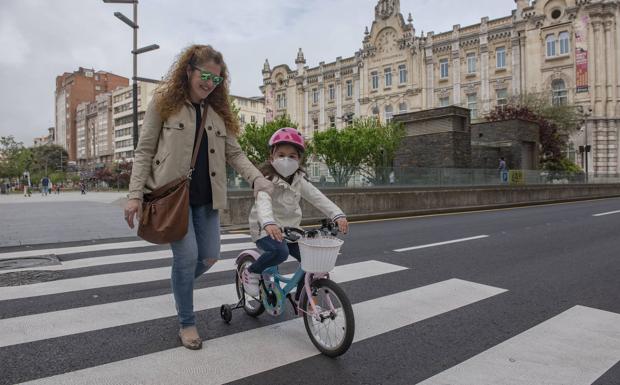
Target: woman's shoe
x=189, y=338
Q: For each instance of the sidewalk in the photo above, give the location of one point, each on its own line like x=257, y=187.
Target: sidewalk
x=66, y=217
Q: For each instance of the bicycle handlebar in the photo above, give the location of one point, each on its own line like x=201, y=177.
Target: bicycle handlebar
x=328, y=227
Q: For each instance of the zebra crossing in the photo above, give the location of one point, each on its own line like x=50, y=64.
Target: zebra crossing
x=576, y=346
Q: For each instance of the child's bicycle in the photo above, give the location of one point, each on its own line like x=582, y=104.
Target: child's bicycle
x=327, y=312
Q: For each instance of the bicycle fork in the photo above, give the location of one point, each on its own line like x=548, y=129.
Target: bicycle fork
x=308, y=292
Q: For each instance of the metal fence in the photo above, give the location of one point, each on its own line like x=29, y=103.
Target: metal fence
x=444, y=177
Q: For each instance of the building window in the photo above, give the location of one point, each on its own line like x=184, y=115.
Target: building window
x=500, y=54
x=348, y=118
x=560, y=94
x=283, y=100
x=242, y=118
x=315, y=95
x=315, y=125
x=253, y=119
x=375, y=110
x=502, y=96
x=472, y=104
x=389, y=113
x=564, y=43
x=402, y=108
x=387, y=72
x=471, y=63
x=550, y=45
x=332, y=92
x=444, y=102
x=332, y=122
x=443, y=68
x=278, y=102
x=375, y=79
x=349, y=88
x=402, y=74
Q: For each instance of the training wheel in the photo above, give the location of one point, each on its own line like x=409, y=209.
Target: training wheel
x=226, y=313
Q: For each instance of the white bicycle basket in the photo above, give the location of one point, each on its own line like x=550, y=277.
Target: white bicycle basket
x=318, y=255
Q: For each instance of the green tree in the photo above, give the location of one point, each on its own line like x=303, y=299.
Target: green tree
x=49, y=158
x=343, y=151
x=382, y=141
x=255, y=137
x=11, y=151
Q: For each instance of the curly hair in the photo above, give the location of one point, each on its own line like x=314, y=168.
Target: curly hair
x=174, y=90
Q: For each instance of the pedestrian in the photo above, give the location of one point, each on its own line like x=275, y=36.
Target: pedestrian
x=196, y=84
x=286, y=149
x=502, y=165
x=45, y=182
x=26, y=185
x=392, y=177
x=83, y=187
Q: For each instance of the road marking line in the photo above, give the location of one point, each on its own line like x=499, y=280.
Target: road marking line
x=95, y=247
x=279, y=344
x=124, y=258
x=441, y=243
x=575, y=347
x=609, y=213
x=36, y=327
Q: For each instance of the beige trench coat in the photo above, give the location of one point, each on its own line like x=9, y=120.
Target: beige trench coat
x=165, y=148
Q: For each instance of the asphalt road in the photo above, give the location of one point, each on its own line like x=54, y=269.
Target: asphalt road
x=518, y=296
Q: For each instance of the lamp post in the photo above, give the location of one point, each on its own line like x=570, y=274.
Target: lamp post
x=586, y=148
x=133, y=24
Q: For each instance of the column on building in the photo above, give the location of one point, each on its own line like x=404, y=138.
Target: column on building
x=430, y=72
x=516, y=63
x=600, y=136
x=484, y=66
x=612, y=137
x=357, y=84
x=338, y=79
x=456, y=66
x=306, y=114
x=321, y=86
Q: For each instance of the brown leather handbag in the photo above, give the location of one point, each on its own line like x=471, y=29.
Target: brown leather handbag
x=165, y=210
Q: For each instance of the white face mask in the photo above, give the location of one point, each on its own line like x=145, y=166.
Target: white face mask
x=285, y=166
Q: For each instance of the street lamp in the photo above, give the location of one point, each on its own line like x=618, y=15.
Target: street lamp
x=586, y=148
x=133, y=24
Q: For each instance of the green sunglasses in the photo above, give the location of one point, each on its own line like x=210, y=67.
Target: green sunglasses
x=206, y=76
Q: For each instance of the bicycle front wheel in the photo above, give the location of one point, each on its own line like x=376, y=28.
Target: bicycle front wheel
x=332, y=327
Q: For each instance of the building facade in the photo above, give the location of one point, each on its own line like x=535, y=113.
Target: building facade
x=45, y=140
x=251, y=109
x=569, y=49
x=72, y=89
x=95, y=132
x=122, y=116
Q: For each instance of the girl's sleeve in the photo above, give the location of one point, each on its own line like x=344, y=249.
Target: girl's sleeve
x=147, y=145
x=264, y=209
x=315, y=197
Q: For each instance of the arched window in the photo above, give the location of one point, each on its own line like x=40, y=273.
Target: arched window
x=550, y=45
x=559, y=93
x=388, y=113
x=375, y=110
x=564, y=43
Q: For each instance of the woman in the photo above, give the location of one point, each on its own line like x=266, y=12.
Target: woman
x=197, y=83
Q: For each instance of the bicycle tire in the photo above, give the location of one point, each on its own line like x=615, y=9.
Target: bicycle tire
x=344, y=310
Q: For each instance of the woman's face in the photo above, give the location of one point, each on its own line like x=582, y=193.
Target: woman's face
x=199, y=89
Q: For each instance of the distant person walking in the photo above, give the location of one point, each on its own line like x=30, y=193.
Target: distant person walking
x=502, y=165
x=45, y=183
x=26, y=187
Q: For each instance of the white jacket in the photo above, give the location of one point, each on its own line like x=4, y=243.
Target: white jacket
x=282, y=207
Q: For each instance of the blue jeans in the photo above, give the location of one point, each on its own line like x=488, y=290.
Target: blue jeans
x=192, y=256
x=274, y=253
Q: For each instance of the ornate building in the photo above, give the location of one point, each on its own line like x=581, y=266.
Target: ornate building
x=570, y=48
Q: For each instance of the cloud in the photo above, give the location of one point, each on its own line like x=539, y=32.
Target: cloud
x=41, y=39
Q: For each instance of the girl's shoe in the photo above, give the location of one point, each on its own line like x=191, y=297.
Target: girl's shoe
x=189, y=338
x=250, y=282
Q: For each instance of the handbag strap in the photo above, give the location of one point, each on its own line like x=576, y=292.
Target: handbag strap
x=199, y=139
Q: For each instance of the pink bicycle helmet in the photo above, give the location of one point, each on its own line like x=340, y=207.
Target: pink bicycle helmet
x=287, y=135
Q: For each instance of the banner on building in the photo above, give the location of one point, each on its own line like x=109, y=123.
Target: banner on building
x=581, y=55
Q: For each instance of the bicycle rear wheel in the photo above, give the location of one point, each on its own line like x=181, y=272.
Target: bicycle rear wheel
x=332, y=333
x=251, y=306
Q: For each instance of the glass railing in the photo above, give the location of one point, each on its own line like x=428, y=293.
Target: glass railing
x=445, y=177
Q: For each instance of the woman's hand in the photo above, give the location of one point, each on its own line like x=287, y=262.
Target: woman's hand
x=343, y=224
x=274, y=232
x=262, y=184
x=133, y=208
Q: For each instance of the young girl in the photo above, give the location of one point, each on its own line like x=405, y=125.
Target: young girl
x=269, y=213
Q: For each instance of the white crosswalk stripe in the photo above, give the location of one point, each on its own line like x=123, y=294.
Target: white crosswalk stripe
x=95, y=247
x=574, y=347
x=125, y=258
x=286, y=342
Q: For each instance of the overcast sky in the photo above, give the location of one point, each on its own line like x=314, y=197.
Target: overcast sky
x=41, y=39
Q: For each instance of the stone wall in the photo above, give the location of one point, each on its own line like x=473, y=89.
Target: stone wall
x=518, y=141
